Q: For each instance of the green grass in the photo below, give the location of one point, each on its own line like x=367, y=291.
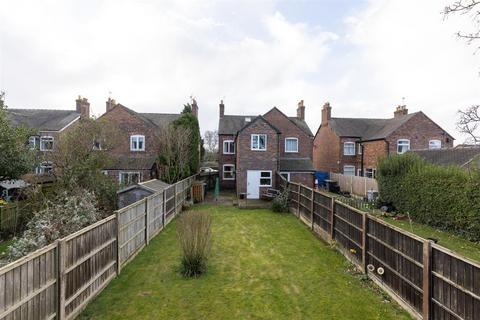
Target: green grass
x=462, y=246
x=4, y=245
x=263, y=266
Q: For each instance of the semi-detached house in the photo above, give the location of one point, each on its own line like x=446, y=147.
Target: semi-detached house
x=253, y=149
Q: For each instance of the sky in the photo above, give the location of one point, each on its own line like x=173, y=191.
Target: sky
x=363, y=56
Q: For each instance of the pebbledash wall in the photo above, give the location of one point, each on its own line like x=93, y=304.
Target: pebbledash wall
x=426, y=279
x=59, y=280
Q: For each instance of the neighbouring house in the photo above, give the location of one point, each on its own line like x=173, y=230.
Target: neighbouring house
x=253, y=149
x=49, y=124
x=135, y=152
x=136, y=192
x=463, y=157
x=353, y=146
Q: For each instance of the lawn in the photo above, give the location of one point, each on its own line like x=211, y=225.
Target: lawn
x=263, y=266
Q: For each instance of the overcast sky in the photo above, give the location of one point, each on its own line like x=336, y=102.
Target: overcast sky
x=361, y=56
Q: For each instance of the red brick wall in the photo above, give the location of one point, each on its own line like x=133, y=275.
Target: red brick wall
x=419, y=129
x=290, y=130
x=326, y=150
x=248, y=159
x=225, y=159
x=372, y=152
x=304, y=178
x=354, y=160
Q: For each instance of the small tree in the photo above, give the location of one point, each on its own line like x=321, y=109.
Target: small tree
x=174, y=155
x=210, y=141
x=16, y=157
x=189, y=122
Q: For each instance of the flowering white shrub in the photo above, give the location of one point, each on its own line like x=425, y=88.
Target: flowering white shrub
x=60, y=217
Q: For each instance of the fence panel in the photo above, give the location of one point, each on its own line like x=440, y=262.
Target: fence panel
x=305, y=203
x=155, y=214
x=455, y=286
x=88, y=263
x=170, y=203
x=322, y=211
x=28, y=286
x=131, y=230
x=401, y=256
x=348, y=230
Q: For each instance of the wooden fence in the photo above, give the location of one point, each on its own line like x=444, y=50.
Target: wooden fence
x=429, y=281
x=355, y=184
x=10, y=216
x=59, y=280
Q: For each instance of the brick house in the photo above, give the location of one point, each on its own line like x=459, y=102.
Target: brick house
x=252, y=149
x=134, y=155
x=48, y=125
x=353, y=146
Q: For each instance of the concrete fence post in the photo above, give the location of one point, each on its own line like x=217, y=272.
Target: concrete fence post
x=119, y=260
x=427, y=276
x=61, y=283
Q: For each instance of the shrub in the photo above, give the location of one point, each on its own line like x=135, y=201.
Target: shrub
x=194, y=233
x=280, y=202
x=444, y=197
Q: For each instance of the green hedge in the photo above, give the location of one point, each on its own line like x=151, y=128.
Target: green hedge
x=444, y=197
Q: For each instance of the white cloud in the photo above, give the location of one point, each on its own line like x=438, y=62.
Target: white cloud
x=153, y=55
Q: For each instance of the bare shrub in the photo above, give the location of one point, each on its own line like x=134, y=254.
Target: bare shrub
x=195, y=235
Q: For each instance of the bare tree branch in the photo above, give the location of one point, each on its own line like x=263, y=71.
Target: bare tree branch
x=469, y=123
x=470, y=8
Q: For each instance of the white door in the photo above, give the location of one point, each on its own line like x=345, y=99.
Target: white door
x=253, y=184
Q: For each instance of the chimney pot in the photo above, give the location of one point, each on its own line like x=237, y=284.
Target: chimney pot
x=400, y=111
x=301, y=110
x=326, y=113
x=110, y=104
x=83, y=107
x=222, y=109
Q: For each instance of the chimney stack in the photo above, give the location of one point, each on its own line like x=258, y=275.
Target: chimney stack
x=222, y=109
x=194, y=108
x=83, y=107
x=301, y=111
x=326, y=113
x=400, y=111
x=111, y=103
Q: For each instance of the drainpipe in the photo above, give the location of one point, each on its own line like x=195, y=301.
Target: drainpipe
x=361, y=161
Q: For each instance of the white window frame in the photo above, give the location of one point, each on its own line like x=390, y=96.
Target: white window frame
x=35, y=144
x=403, y=142
x=137, y=138
x=44, y=165
x=226, y=149
x=291, y=138
x=44, y=139
x=373, y=170
x=232, y=171
x=257, y=135
x=129, y=173
x=349, y=167
x=287, y=174
x=350, y=143
x=270, y=178
x=439, y=146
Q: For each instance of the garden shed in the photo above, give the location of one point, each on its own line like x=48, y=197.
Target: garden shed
x=133, y=193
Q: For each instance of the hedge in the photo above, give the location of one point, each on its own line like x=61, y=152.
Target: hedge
x=444, y=197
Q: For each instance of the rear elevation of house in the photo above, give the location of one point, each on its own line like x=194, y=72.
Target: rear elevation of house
x=353, y=146
x=253, y=149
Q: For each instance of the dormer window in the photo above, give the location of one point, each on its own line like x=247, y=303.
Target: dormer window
x=137, y=143
x=46, y=143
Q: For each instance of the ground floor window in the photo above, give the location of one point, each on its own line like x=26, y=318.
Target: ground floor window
x=228, y=172
x=265, y=178
x=286, y=175
x=370, y=173
x=127, y=178
x=349, y=170
x=45, y=167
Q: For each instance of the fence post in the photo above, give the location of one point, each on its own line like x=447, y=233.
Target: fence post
x=332, y=219
x=119, y=260
x=147, y=221
x=61, y=283
x=298, y=199
x=427, y=270
x=164, y=208
x=364, y=241
x=175, y=199
x=311, y=207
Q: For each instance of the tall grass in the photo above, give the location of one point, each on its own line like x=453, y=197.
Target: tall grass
x=195, y=236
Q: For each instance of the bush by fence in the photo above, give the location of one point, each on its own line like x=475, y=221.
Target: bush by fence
x=58, y=281
x=447, y=198
x=429, y=281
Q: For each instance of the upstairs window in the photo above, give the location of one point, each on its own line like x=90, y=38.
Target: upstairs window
x=228, y=147
x=34, y=142
x=291, y=145
x=45, y=167
x=434, y=144
x=349, y=148
x=46, y=143
x=259, y=142
x=403, y=145
x=137, y=143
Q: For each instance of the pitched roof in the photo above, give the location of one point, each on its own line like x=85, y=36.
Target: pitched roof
x=159, y=120
x=154, y=185
x=131, y=163
x=42, y=119
x=302, y=125
x=296, y=164
x=451, y=156
x=367, y=128
x=262, y=119
x=232, y=124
